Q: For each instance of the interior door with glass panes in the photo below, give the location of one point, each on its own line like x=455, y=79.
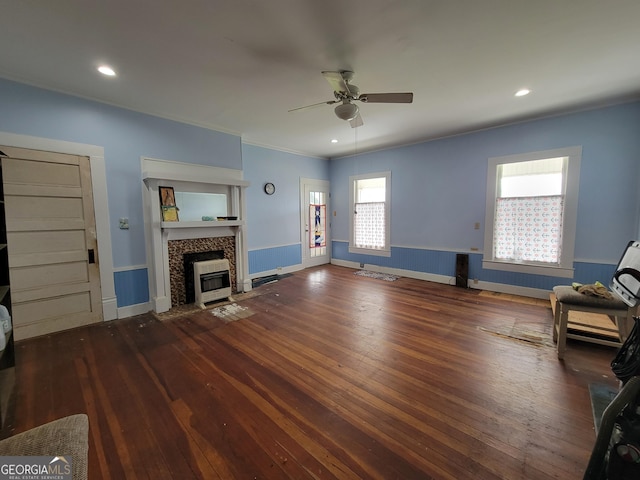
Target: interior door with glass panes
x=316, y=222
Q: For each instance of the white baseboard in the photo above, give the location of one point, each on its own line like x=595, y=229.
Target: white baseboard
x=109, y=308
x=448, y=280
x=512, y=289
x=133, y=310
x=345, y=263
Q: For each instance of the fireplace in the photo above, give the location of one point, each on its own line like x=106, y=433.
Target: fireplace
x=182, y=256
x=169, y=240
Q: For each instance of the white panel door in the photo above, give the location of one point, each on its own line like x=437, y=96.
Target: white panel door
x=51, y=240
x=316, y=222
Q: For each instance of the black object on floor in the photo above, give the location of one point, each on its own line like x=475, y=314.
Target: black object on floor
x=256, y=282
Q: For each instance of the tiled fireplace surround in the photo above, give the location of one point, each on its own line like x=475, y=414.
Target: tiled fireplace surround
x=177, y=248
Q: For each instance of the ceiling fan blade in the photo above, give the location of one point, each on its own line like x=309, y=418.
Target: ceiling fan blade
x=337, y=80
x=357, y=121
x=386, y=97
x=330, y=102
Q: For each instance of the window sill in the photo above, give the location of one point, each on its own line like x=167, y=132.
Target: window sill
x=528, y=268
x=368, y=251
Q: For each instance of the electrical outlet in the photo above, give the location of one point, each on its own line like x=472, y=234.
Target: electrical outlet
x=475, y=281
x=362, y=265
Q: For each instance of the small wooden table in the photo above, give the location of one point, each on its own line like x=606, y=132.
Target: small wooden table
x=589, y=318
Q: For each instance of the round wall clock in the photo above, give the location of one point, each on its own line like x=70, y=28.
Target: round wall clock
x=269, y=188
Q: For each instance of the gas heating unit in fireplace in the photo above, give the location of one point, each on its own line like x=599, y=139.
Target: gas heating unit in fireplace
x=211, y=281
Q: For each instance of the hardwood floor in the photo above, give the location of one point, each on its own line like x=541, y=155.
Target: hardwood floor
x=332, y=375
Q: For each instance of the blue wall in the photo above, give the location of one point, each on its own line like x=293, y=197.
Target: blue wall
x=273, y=221
x=438, y=187
x=125, y=136
x=438, y=192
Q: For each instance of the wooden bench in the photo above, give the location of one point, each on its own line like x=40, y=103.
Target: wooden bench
x=613, y=334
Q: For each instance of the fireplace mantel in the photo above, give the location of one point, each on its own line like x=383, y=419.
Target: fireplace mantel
x=180, y=176
x=191, y=178
x=203, y=224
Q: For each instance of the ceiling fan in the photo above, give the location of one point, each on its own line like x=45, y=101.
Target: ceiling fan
x=346, y=93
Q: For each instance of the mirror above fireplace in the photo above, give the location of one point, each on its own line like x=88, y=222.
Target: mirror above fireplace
x=199, y=206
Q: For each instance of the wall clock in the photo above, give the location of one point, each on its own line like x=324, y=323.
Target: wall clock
x=269, y=188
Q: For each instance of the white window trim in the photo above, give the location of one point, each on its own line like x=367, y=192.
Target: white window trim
x=565, y=269
x=386, y=252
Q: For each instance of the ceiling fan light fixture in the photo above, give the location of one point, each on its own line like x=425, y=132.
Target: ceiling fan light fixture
x=346, y=111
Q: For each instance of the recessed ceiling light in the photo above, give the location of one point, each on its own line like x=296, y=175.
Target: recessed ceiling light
x=522, y=92
x=106, y=70
x=334, y=140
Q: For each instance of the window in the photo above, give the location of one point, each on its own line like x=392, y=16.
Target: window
x=531, y=212
x=528, y=220
x=370, y=220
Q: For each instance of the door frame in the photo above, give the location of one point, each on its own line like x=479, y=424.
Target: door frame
x=323, y=185
x=100, y=204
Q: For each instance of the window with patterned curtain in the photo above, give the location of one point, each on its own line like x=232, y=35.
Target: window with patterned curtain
x=529, y=229
x=529, y=211
x=368, y=225
x=370, y=214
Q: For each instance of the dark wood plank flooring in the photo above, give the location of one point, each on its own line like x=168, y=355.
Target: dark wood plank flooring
x=333, y=376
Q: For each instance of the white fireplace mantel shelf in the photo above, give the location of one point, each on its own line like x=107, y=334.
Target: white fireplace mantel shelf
x=203, y=224
x=192, y=178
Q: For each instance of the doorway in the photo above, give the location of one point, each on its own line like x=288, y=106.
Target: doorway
x=316, y=222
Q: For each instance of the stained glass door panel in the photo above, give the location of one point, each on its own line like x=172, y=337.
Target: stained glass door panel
x=315, y=213
x=317, y=224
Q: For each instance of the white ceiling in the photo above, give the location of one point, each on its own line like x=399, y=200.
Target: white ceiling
x=239, y=65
